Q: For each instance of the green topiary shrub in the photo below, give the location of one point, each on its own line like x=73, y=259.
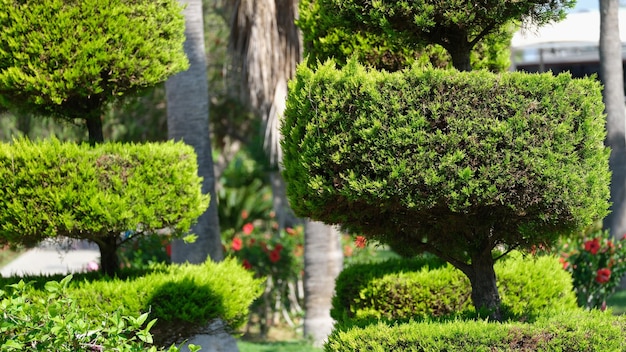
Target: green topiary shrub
x=452, y=163
x=403, y=289
x=329, y=33
x=390, y=34
x=52, y=321
x=182, y=298
x=570, y=331
x=49, y=188
x=69, y=59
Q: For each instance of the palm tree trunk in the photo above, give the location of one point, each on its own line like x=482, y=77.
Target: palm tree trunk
x=323, y=260
x=187, y=96
x=611, y=73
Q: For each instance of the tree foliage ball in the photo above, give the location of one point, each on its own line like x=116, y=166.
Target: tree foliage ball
x=67, y=58
x=436, y=156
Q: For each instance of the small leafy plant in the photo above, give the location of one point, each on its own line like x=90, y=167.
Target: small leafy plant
x=597, y=263
x=51, y=320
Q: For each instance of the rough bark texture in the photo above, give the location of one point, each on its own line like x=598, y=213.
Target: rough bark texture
x=266, y=46
x=188, y=120
x=611, y=72
x=485, y=294
x=323, y=260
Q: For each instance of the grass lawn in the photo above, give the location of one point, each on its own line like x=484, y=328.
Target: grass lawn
x=281, y=346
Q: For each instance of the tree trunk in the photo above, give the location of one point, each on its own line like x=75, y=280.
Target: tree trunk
x=109, y=262
x=94, y=126
x=323, y=260
x=482, y=277
x=611, y=73
x=188, y=120
x=460, y=55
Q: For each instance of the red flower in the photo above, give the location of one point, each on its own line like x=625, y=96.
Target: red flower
x=347, y=250
x=564, y=262
x=274, y=256
x=360, y=241
x=592, y=246
x=246, y=264
x=278, y=247
x=248, y=228
x=237, y=243
x=290, y=231
x=244, y=214
x=603, y=275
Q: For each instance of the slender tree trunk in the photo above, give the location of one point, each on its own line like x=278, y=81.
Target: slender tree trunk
x=482, y=277
x=187, y=96
x=611, y=73
x=109, y=261
x=323, y=260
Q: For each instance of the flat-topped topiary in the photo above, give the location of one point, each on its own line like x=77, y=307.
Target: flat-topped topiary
x=51, y=188
x=452, y=163
x=70, y=58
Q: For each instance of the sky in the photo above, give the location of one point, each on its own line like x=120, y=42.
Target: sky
x=582, y=5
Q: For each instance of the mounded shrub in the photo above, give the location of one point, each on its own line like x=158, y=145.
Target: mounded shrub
x=183, y=298
x=570, y=331
x=421, y=288
x=50, y=188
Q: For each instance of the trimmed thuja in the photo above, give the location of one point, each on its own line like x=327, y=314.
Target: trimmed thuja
x=70, y=58
x=50, y=189
x=463, y=165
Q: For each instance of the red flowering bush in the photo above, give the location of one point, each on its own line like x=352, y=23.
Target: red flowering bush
x=276, y=256
x=597, y=264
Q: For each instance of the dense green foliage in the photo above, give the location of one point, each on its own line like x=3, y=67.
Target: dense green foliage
x=422, y=288
x=449, y=162
x=388, y=34
x=51, y=320
x=571, y=331
x=69, y=58
x=328, y=34
x=51, y=188
x=183, y=298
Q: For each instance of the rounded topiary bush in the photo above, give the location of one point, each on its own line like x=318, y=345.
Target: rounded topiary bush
x=458, y=164
x=183, y=299
x=425, y=287
x=50, y=188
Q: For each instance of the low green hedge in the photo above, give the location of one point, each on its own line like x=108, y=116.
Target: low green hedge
x=570, y=331
x=426, y=287
x=183, y=298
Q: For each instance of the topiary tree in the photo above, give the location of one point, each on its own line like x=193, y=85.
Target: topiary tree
x=50, y=189
x=388, y=34
x=68, y=59
x=467, y=166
